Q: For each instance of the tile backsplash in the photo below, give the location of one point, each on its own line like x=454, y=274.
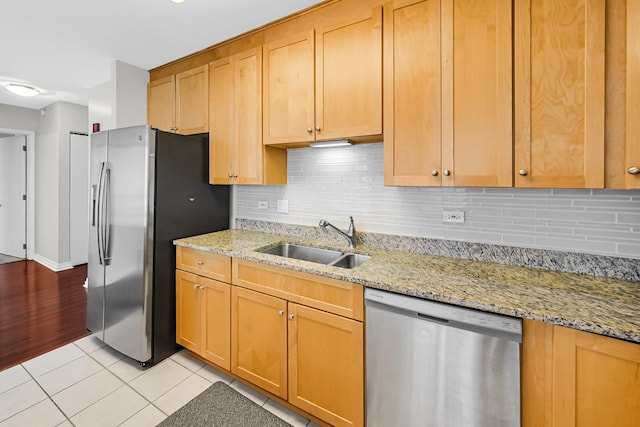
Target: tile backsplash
x=336, y=183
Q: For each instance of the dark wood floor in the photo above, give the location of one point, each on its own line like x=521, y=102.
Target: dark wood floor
x=40, y=310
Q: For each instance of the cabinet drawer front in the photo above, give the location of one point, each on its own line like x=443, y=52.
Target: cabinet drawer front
x=206, y=264
x=335, y=296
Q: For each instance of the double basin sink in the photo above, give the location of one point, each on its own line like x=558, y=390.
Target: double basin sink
x=318, y=255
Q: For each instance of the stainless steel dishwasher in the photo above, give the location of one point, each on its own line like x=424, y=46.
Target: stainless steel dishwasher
x=438, y=365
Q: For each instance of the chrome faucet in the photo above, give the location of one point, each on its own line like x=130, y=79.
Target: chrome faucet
x=350, y=235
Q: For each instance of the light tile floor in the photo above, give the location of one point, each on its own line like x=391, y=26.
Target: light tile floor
x=86, y=383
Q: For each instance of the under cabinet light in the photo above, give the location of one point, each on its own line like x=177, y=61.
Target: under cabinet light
x=327, y=144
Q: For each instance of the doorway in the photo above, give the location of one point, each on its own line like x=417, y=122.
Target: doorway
x=13, y=197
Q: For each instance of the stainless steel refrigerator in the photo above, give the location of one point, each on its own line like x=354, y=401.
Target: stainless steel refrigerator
x=147, y=188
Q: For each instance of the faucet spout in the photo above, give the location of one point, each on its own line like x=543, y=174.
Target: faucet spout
x=350, y=235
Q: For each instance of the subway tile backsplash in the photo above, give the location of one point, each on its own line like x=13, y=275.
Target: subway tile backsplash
x=339, y=182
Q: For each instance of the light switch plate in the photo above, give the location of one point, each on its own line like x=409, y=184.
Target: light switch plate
x=283, y=206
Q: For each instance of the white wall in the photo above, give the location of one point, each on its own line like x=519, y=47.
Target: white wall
x=336, y=183
x=52, y=181
x=122, y=101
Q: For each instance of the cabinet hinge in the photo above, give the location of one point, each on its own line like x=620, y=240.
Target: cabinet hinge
x=24, y=148
x=24, y=197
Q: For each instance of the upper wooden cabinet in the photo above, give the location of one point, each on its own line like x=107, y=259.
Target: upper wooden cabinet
x=559, y=93
x=447, y=92
x=180, y=103
x=344, y=99
x=572, y=378
x=236, y=152
x=622, y=119
x=631, y=166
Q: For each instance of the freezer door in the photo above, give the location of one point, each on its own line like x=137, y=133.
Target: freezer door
x=95, y=268
x=129, y=249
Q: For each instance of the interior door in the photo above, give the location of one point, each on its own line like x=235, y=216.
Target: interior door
x=13, y=188
x=78, y=198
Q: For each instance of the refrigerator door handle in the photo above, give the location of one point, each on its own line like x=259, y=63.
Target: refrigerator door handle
x=106, y=226
x=94, y=190
x=101, y=212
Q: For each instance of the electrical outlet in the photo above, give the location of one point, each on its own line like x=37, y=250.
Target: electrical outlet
x=453, y=216
x=283, y=206
x=263, y=205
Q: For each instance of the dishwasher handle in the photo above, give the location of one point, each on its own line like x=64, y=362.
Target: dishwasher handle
x=492, y=324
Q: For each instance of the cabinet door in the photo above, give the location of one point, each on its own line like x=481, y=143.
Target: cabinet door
x=217, y=320
x=192, y=101
x=222, y=121
x=188, y=311
x=572, y=378
x=288, y=105
x=631, y=166
x=596, y=380
x=559, y=93
x=248, y=117
x=326, y=365
x=412, y=93
x=259, y=339
x=349, y=77
x=477, y=141
x=161, y=107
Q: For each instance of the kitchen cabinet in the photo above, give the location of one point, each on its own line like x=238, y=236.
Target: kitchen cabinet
x=559, y=93
x=203, y=304
x=342, y=100
x=237, y=155
x=259, y=340
x=180, y=103
x=575, y=378
x=622, y=107
x=300, y=337
x=447, y=93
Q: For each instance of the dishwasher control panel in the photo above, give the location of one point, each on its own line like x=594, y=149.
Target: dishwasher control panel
x=448, y=314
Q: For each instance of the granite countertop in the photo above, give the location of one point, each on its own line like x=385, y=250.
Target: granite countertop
x=601, y=305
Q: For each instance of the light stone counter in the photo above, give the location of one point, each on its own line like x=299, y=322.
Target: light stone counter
x=601, y=305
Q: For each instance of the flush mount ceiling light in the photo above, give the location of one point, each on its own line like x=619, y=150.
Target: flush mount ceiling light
x=178, y=1
x=327, y=144
x=22, y=90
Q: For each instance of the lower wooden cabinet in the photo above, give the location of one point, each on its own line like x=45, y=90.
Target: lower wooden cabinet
x=309, y=357
x=295, y=335
x=326, y=365
x=300, y=337
x=575, y=378
x=259, y=340
x=203, y=317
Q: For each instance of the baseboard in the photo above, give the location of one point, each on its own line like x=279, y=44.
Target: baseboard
x=51, y=265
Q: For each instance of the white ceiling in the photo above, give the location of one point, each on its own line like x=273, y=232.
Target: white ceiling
x=66, y=47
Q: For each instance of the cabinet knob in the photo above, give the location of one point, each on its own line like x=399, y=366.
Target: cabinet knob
x=200, y=262
x=446, y=172
x=523, y=172
x=633, y=170
x=309, y=130
x=280, y=312
x=290, y=317
x=195, y=286
x=317, y=128
x=434, y=172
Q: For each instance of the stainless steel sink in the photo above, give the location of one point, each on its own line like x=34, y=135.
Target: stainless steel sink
x=317, y=255
x=350, y=260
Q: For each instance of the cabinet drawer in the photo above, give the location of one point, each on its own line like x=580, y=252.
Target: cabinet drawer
x=335, y=296
x=204, y=263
